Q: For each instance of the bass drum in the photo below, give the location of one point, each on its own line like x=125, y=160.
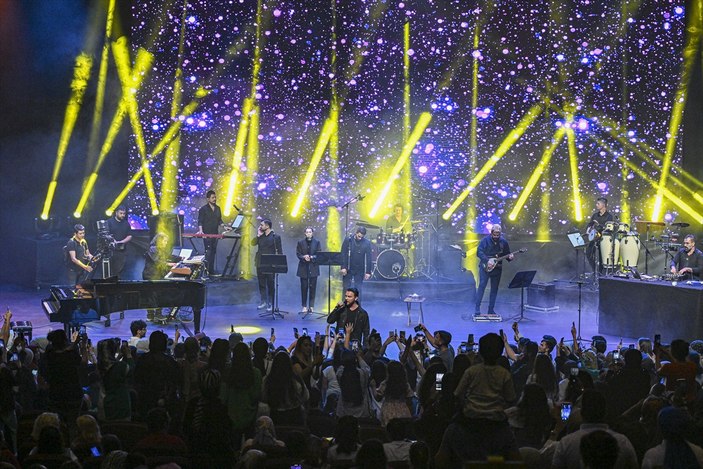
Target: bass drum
x=630, y=250
x=390, y=264
x=608, y=255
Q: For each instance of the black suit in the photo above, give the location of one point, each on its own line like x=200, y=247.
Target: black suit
x=268, y=244
x=308, y=271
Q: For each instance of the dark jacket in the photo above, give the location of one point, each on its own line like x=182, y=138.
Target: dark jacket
x=301, y=250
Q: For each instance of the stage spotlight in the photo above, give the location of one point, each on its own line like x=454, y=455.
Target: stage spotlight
x=238, y=155
x=574, y=167
x=46, y=228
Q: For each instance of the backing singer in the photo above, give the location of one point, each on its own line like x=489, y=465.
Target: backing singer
x=308, y=270
x=356, y=260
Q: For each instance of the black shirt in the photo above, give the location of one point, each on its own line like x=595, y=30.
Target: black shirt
x=268, y=244
x=210, y=219
x=358, y=317
x=600, y=220
x=694, y=261
x=119, y=230
x=80, y=248
x=360, y=260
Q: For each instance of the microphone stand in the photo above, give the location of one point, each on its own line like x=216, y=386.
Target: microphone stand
x=345, y=206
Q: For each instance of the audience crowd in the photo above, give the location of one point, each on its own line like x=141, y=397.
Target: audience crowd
x=403, y=401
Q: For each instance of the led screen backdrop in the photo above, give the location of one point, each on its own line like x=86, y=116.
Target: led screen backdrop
x=606, y=71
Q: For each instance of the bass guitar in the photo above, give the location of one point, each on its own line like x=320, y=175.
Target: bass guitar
x=493, y=261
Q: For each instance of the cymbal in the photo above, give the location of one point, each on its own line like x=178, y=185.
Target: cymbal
x=650, y=223
x=367, y=225
x=681, y=224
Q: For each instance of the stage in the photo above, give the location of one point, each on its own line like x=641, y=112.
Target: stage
x=233, y=304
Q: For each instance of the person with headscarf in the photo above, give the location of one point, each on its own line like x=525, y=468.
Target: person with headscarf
x=675, y=451
x=264, y=437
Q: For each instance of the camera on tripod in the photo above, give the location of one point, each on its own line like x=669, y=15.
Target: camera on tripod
x=106, y=242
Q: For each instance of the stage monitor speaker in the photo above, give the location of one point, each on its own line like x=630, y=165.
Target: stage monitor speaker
x=173, y=226
x=541, y=295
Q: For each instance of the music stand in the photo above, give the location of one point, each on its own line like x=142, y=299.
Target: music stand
x=273, y=264
x=522, y=280
x=328, y=258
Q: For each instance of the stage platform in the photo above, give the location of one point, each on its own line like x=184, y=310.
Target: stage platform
x=233, y=304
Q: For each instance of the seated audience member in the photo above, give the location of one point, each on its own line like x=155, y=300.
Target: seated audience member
x=419, y=455
x=395, y=394
x=206, y=425
x=427, y=393
x=441, y=341
x=353, y=378
x=261, y=359
x=567, y=453
x=284, y=392
x=531, y=419
x=675, y=451
x=265, y=438
x=51, y=444
x=485, y=391
x=679, y=368
x=158, y=441
x=88, y=437
x=398, y=448
x=599, y=450
x=346, y=440
x=330, y=386
x=370, y=455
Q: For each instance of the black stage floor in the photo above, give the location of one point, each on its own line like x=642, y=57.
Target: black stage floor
x=233, y=303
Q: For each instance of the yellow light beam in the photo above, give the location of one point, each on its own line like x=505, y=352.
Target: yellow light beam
x=420, y=126
x=120, y=52
x=693, y=38
x=537, y=173
x=574, y=167
x=102, y=80
x=141, y=67
x=79, y=83
x=637, y=170
x=327, y=130
x=169, y=178
x=171, y=132
x=238, y=154
x=507, y=143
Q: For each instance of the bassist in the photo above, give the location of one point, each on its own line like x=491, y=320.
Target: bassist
x=492, y=246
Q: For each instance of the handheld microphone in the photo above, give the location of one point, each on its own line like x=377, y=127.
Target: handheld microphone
x=360, y=197
x=236, y=208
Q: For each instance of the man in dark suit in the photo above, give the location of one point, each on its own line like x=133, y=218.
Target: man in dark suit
x=268, y=243
x=308, y=270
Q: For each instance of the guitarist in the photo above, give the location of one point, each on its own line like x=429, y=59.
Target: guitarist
x=492, y=246
x=598, y=220
x=78, y=256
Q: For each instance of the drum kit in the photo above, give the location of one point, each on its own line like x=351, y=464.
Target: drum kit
x=391, y=251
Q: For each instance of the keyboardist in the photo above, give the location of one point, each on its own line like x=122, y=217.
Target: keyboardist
x=209, y=222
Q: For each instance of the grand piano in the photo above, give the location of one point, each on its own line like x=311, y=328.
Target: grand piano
x=73, y=306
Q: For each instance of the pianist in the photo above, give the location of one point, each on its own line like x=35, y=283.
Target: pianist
x=79, y=256
x=209, y=222
x=156, y=266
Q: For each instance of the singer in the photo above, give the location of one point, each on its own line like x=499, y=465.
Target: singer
x=268, y=243
x=351, y=312
x=308, y=270
x=356, y=260
x=688, y=262
x=209, y=222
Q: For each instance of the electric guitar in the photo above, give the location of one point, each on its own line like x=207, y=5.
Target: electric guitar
x=493, y=261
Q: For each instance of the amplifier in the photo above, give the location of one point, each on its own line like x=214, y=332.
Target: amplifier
x=541, y=295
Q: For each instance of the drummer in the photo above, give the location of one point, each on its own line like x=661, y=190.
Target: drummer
x=396, y=223
x=598, y=220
